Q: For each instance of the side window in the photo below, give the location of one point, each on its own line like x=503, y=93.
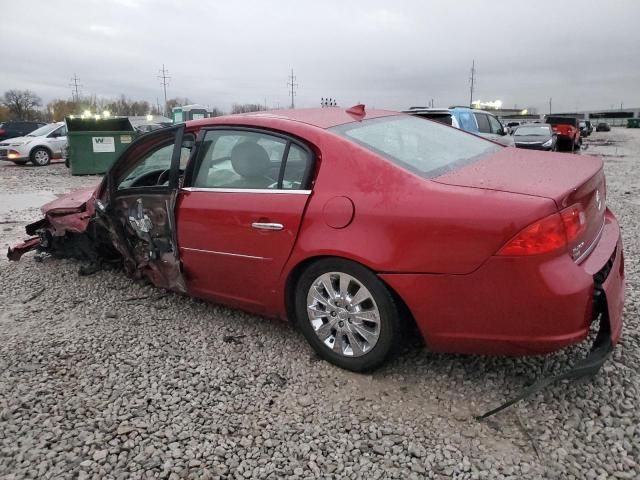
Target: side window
x=153, y=163
x=466, y=121
x=296, y=168
x=58, y=132
x=249, y=160
x=483, y=123
x=496, y=127
x=151, y=169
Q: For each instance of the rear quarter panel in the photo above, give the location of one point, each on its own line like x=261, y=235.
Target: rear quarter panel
x=405, y=223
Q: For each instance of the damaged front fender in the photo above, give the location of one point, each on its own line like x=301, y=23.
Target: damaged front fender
x=79, y=226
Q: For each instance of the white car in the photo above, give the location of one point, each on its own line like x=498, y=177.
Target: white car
x=39, y=147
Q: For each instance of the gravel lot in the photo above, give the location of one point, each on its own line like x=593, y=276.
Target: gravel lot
x=104, y=377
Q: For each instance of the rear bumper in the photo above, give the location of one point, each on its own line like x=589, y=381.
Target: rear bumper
x=519, y=306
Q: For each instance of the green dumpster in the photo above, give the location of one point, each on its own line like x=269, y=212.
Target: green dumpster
x=633, y=123
x=94, y=144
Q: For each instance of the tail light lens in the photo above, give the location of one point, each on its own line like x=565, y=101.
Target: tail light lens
x=551, y=233
x=574, y=221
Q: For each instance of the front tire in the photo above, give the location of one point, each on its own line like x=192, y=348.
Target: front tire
x=347, y=314
x=40, y=157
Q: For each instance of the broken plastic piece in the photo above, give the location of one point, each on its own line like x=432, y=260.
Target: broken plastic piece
x=587, y=367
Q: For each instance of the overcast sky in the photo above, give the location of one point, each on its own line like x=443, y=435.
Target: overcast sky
x=391, y=54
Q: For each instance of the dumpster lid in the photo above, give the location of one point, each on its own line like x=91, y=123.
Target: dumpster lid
x=115, y=124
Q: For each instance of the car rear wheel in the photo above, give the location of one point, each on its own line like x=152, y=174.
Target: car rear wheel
x=40, y=157
x=347, y=314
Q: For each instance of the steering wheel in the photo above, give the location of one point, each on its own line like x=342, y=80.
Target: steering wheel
x=164, y=177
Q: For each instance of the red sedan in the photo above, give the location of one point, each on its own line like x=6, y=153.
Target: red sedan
x=354, y=222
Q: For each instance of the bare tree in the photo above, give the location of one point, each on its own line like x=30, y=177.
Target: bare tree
x=176, y=102
x=247, y=107
x=21, y=103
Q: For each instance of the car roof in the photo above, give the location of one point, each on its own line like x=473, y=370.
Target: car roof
x=324, y=118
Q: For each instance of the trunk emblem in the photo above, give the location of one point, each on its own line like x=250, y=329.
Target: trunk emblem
x=598, y=200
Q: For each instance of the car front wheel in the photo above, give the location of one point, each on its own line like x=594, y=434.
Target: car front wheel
x=347, y=314
x=40, y=157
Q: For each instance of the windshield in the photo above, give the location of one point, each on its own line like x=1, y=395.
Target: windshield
x=42, y=131
x=426, y=148
x=537, y=130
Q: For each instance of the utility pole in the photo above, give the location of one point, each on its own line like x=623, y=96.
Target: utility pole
x=292, y=83
x=74, y=88
x=472, y=82
x=164, y=76
x=550, y=105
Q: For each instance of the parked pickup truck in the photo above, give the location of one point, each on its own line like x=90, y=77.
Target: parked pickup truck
x=568, y=131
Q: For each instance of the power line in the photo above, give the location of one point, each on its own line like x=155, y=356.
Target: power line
x=75, y=86
x=472, y=82
x=164, y=76
x=292, y=83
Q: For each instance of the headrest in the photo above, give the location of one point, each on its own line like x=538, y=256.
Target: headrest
x=249, y=159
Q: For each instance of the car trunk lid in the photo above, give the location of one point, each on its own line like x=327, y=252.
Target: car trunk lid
x=567, y=179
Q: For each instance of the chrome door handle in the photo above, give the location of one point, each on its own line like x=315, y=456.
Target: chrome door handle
x=267, y=226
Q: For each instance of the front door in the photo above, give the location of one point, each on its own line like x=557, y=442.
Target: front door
x=139, y=210
x=238, y=215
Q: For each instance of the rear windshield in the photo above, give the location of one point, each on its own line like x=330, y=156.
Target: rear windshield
x=426, y=148
x=436, y=117
x=562, y=121
x=535, y=130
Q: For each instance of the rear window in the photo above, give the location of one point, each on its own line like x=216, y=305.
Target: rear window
x=562, y=121
x=426, y=148
x=436, y=117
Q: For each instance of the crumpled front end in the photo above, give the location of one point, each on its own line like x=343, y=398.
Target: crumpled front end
x=79, y=226
x=68, y=215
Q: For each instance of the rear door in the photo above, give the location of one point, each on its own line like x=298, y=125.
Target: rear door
x=143, y=185
x=238, y=215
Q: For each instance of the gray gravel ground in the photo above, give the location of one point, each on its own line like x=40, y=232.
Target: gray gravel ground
x=104, y=377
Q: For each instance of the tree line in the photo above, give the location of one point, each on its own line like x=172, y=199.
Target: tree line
x=27, y=105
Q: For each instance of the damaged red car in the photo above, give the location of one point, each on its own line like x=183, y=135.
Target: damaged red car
x=355, y=223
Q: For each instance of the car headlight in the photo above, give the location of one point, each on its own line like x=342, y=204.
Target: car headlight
x=548, y=143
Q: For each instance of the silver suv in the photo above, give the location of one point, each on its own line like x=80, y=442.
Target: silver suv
x=479, y=122
x=39, y=147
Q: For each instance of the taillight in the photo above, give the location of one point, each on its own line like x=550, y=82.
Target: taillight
x=551, y=233
x=574, y=221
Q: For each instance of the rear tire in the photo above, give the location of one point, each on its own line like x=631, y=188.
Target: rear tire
x=347, y=314
x=40, y=157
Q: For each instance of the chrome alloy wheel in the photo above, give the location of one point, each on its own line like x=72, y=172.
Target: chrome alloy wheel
x=343, y=314
x=41, y=157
